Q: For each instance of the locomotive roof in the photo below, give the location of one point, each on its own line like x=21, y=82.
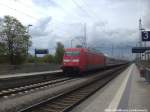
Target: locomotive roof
x=76, y=49
x=83, y=49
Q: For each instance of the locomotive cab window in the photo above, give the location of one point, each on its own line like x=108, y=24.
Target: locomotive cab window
x=72, y=53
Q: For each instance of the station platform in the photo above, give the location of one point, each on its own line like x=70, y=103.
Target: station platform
x=128, y=92
x=27, y=74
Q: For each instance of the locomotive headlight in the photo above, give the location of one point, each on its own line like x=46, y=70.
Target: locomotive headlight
x=75, y=60
x=66, y=60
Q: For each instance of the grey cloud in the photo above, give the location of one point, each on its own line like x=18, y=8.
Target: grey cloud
x=120, y=39
x=41, y=28
x=146, y=17
x=99, y=34
x=45, y=3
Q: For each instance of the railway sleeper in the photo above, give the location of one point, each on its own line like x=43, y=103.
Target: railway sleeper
x=65, y=101
x=60, y=103
x=55, y=108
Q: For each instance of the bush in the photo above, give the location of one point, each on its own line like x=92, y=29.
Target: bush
x=45, y=59
x=31, y=59
x=19, y=59
x=4, y=59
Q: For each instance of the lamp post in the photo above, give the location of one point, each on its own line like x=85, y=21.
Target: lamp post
x=27, y=42
x=71, y=42
x=28, y=27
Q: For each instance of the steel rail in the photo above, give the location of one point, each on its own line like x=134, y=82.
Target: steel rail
x=66, y=101
x=9, y=92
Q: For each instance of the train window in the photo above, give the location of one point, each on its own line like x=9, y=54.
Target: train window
x=72, y=53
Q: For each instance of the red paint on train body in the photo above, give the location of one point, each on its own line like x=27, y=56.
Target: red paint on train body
x=82, y=59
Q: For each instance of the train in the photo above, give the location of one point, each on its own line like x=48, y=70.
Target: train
x=79, y=60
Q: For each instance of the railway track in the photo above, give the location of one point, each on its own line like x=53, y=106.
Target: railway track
x=13, y=91
x=32, y=87
x=14, y=81
x=66, y=101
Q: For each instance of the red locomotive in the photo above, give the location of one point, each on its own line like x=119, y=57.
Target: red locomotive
x=82, y=59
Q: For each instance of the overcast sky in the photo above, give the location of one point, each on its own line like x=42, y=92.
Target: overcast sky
x=110, y=23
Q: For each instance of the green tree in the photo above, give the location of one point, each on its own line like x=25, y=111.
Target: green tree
x=16, y=39
x=48, y=58
x=3, y=55
x=2, y=49
x=59, y=52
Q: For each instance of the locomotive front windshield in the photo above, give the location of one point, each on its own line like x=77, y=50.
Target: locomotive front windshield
x=72, y=53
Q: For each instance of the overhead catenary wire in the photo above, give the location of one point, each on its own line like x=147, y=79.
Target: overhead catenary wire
x=65, y=10
x=91, y=11
x=26, y=5
x=82, y=9
x=21, y=12
x=89, y=15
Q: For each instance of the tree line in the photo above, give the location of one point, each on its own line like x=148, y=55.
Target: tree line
x=15, y=42
x=50, y=58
